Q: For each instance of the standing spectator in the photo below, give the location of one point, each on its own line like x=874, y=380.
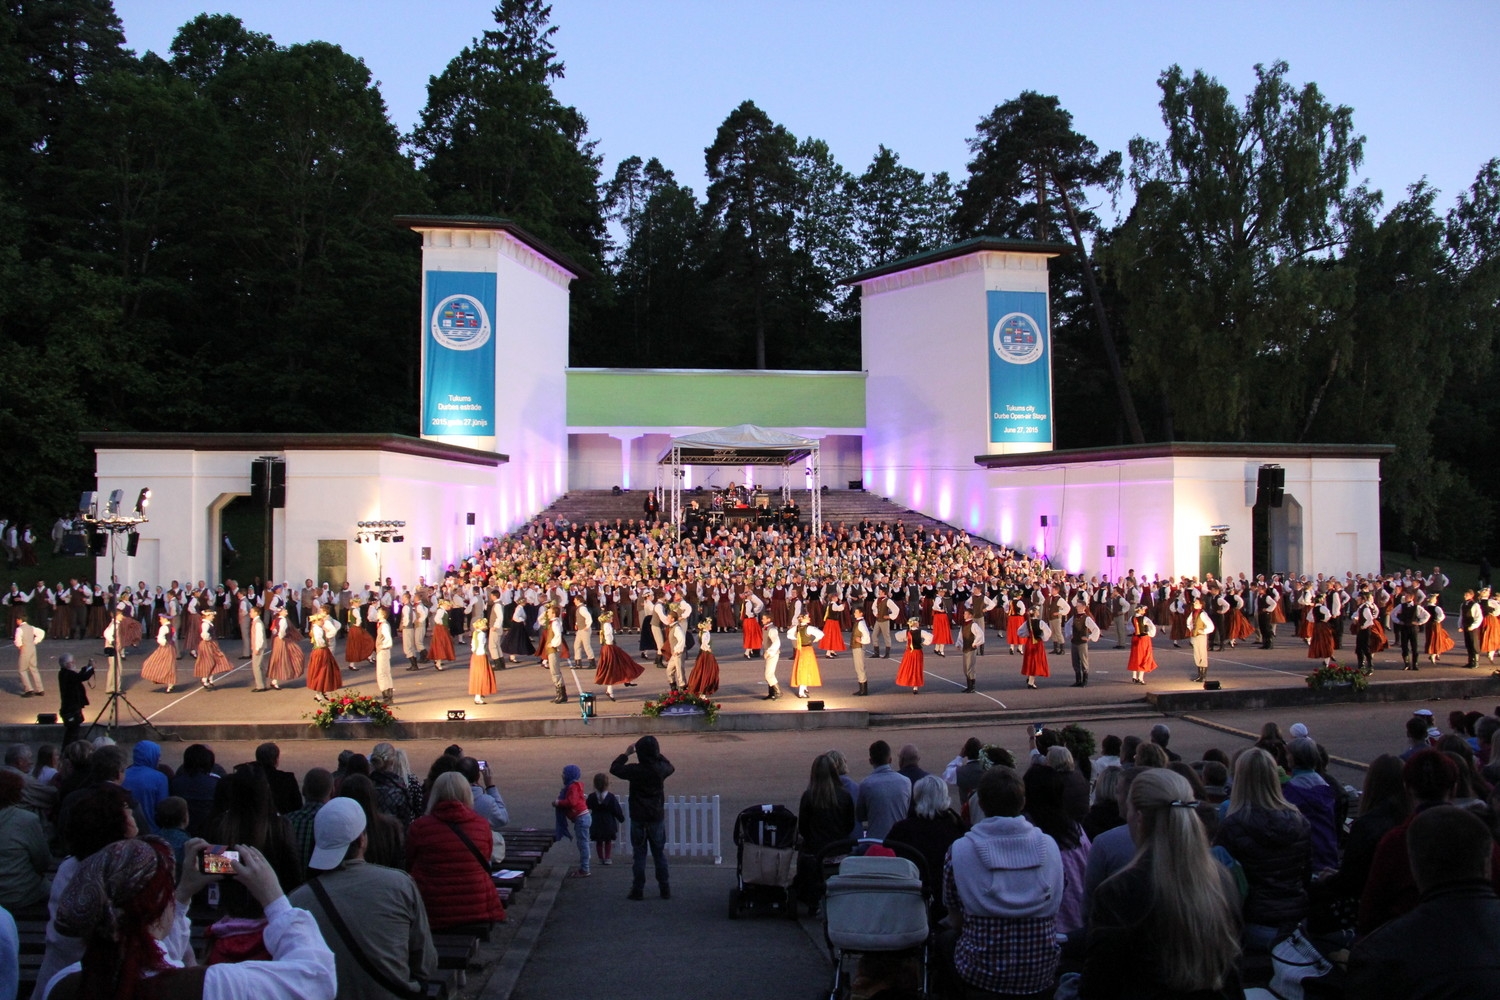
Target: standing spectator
x=145, y=782
x=317, y=786
x=1272, y=841
x=1168, y=923
x=1003, y=916
x=884, y=796
x=284, y=794
x=447, y=855
x=1161, y=736
x=608, y=816
x=648, y=807
x=371, y=917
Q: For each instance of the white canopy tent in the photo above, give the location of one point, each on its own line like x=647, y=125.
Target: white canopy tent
x=742, y=444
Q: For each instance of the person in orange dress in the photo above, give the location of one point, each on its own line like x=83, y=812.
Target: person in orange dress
x=614, y=666
x=1142, y=658
x=323, y=674
x=481, y=675
x=910, y=672
x=1034, y=635
x=704, y=678
x=1489, y=628
x=1438, y=639
x=1015, y=617
x=751, y=636
x=805, y=673
x=441, y=648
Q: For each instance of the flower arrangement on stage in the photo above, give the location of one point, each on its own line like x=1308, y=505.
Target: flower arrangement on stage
x=1331, y=674
x=682, y=703
x=346, y=705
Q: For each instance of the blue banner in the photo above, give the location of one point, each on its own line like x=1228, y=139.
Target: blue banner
x=1020, y=368
x=458, y=394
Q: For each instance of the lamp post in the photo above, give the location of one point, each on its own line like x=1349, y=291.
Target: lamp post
x=378, y=533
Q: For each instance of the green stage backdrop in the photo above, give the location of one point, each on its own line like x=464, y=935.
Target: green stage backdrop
x=639, y=398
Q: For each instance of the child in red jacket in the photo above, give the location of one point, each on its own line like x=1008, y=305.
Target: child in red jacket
x=571, y=807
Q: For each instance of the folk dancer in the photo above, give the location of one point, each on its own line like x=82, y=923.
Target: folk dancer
x=971, y=642
x=384, y=641
x=481, y=675
x=583, y=623
x=161, y=666
x=1438, y=641
x=885, y=611
x=771, y=654
x=28, y=636
x=323, y=673
x=442, y=640
x=1406, y=618
x=1470, y=620
x=751, y=637
x=1199, y=628
x=1142, y=657
x=287, y=659
x=553, y=651
x=1034, y=634
x=615, y=666
x=703, y=680
x=1081, y=630
x=805, y=672
x=211, y=659
x=255, y=631
x=911, y=671
x=859, y=640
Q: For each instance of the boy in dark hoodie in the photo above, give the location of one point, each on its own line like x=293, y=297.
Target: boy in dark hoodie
x=144, y=780
x=648, y=808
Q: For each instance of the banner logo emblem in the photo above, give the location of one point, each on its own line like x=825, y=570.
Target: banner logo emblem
x=1017, y=339
x=460, y=323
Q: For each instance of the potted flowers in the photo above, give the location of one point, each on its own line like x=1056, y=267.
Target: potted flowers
x=682, y=703
x=347, y=706
x=1331, y=675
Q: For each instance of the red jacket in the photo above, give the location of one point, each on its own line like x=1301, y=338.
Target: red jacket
x=572, y=803
x=454, y=887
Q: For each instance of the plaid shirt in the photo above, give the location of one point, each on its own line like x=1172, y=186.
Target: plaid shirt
x=302, y=830
x=1002, y=954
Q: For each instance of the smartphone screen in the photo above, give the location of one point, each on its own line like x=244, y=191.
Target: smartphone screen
x=216, y=860
x=484, y=765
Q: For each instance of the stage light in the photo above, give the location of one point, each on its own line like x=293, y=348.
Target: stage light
x=615, y=490
x=87, y=500
x=457, y=714
x=116, y=497
x=143, y=500
x=398, y=538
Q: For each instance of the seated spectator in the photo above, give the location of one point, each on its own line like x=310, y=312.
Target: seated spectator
x=36, y=795
x=1384, y=805
x=931, y=828
x=1109, y=754
x=909, y=763
x=1002, y=884
x=1313, y=797
x=131, y=905
x=317, y=786
x=46, y=763
x=24, y=857
x=244, y=814
x=1431, y=777
x=1416, y=736
x=106, y=767
x=73, y=771
x=884, y=796
x=386, y=839
x=171, y=821
x=1047, y=810
x=1447, y=945
x=1150, y=755
x=841, y=765
x=284, y=794
x=390, y=786
x=1215, y=782
x=1273, y=743
x=1161, y=736
x=195, y=782
x=143, y=781
x=1272, y=841
x=1128, y=747
x=1104, y=814
x=447, y=854
x=1168, y=924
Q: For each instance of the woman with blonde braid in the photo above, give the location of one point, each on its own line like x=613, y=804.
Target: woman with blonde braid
x=1168, y=924
x=615, y=666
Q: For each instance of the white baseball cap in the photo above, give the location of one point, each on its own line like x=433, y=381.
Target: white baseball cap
x=337, y=825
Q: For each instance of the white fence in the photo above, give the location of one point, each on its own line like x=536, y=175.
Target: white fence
x=692, y=823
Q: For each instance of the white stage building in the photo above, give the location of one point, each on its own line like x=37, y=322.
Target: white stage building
x=951, y=416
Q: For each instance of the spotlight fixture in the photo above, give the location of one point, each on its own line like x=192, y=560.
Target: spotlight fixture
x=143, y=500
x=457, y=714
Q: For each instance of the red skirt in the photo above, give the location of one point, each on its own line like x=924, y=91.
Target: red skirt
x=704, y=679
x=287, y=659
x=323, y=672
x=131, y=633
x=481, y=676
x=910, y=673
x=1034, y=659
x=833, y=637
x=753, y=637
x=161, y=666
x=781, y=614
x=805, y=671
x=724, y=614
x=1179, y=626
x=1278, y=616
x=1489, y=634
x=1378, y=641
x=1239, y=626
x=1438, y=639
x=358, y=647
x=211, y=660
x=1142, y=657
x=615, y=666
x=1013, y=625
x=441, y=647
x=1305, y=627
x=1321, y=647
x=942, y=630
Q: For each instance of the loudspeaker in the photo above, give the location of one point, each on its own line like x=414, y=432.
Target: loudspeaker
x=46, y=719
x=469, y=518
x=1044, y=520
x=815, y=706
x=258, y=482
x=1210, y=685
x=277, y=492
x=99, y=544
x=132, y=542
x=856, y=484
x=1109, y=551
x=426, y=552
x=1270, y=485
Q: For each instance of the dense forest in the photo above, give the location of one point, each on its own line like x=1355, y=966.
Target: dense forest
x=202, y=239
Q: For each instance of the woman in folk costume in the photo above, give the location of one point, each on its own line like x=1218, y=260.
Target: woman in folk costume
x=832, y=643
x=161, y=666
x=1239, y=625
x=724, y=618
x=704, y=678
x=481, y=675
x=1179, y=629
x=1305, y=616
x=942, y=626
x=1015, y=617
x=1142, y=659
x=1320, y=633
x=322, y=669
x=516, y=642
x=781, y=612
x=1489, y=627
x=130, y=627
x=358, y=645
x=95, y=603
x=751, y=636
x=288, y=661
x=442, y=640
x=1034, y=636
x=192, y=630
x=211, y=659
x=805, y=672
x=1438, y=639
x=910, y=672
x=614, y=665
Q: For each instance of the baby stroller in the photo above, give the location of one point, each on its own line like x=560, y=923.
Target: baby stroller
x=765, y=838
x=876, y=904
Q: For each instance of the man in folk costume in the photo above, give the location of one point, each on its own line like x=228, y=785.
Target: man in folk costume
x=383, y=643
x=771, y=637
x=28, y=636
x=1080, y=630
x=1406, y=618
x=255, y=634
x=552, y=647
x=1265, y=609
x=1470, y=618
x=583, y=649
x=410, y=647
x=859, y=640
x=885, y=611
x=971, y=642
x=1366, y=621
x=1200, y=627
x=674, y=640
x=496, y=632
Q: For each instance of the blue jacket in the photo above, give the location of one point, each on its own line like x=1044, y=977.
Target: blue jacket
x=145, y=782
